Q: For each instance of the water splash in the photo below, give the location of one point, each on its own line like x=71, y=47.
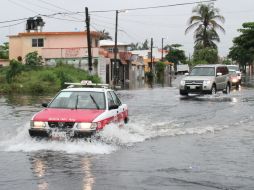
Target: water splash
x=105, y=142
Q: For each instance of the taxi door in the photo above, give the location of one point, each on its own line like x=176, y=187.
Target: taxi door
x=119, y=109
x=112, y=108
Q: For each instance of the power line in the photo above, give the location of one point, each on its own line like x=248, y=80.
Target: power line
x=155, y=7
x=78, y=12
x=7, y=26
x=56, y=6
x=65, y=19
x=20, y=5
x=13, y=20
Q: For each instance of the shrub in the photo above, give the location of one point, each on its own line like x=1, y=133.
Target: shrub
x=15, y=68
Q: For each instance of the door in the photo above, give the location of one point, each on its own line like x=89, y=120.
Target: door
x=112, y=112
x=121, y=108
x=219, y=79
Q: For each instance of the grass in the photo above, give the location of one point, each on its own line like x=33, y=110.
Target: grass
x=43, y=80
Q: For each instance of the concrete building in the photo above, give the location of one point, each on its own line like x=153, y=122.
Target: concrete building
x=69, y=47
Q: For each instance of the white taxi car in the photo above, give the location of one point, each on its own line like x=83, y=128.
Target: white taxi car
x=79, y=110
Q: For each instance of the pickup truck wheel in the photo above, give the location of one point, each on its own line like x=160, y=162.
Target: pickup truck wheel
x=183, y=93
x=213, y=90
x=227, y=90
x=237, y=85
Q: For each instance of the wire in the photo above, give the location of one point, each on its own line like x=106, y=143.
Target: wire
x=13, y=20
x=20, y=5
x=56, y=6
x=155, y=7
x=12, y=24
x=65, y=19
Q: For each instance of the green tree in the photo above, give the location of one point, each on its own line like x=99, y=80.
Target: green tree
x=145, y=45
x=175, y=55
x=205, y=20
x=242, y=50
x=160, y=68
x=4, y=51
x=33, y=59
x=104, y=35
x=134, y=46
x=205, y=56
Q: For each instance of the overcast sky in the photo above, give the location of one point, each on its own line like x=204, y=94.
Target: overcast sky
x=134, y=26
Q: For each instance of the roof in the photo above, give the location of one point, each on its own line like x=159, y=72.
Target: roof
x=210, y=65
x=93, y=33
x=156, y=53
x=111, y=43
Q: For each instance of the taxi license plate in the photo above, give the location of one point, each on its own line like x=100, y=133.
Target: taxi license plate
x=58, y=135
x=192, y=87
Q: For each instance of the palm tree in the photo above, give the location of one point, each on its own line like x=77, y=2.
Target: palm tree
x=205, y=21
x=104, y=35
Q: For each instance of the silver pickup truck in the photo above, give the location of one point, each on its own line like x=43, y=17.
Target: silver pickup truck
x=206, y=79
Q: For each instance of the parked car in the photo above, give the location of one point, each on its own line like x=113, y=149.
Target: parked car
x=234, y=78
x=206, y=79
x=79, y=111
x=237, y=71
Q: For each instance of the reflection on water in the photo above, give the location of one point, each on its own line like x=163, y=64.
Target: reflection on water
x=39, y=168
x=89, y=179
x=23, y=100
x=208, y=98
x=46, y=164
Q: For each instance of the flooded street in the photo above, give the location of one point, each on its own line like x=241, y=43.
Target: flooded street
x=171, y=142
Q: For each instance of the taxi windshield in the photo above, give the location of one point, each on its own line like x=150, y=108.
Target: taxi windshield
x=79, y=100
x=202, y=71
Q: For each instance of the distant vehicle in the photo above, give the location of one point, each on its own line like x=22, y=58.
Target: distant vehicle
x=79, y=111
x=234, y=78
x=182, y=68
x=237, y=70
x=206, y=79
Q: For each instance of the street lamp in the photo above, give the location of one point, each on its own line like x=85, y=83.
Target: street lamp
x=116, y=64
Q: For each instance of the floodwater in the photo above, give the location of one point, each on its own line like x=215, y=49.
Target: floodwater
x=171, y=142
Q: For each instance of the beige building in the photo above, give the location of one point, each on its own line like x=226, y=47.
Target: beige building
x=53, y=45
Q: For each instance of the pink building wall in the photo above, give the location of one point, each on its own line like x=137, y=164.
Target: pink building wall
x=56, y=44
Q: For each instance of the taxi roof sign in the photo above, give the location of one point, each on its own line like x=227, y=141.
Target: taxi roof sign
x=86, y=83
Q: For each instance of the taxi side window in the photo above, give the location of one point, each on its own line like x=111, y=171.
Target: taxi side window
x=110, y=99
x=115, y=98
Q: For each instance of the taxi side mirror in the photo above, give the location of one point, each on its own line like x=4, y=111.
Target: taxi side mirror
x=113, y=106
x=44, y=105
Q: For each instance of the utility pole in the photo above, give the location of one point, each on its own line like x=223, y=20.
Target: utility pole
x=162, y=49
x=115, y=65
x=90, y=64
x=151, y=66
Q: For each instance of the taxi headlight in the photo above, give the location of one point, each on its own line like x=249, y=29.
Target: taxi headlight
x=206, y=82
x=37, y=124
x=87, y=126
x=182, y=82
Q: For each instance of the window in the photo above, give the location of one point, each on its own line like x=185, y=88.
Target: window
x=79, y=100
x=222, y=70
x=110, y=99
x=110, y=49
x=115, y=98
x=202, y=71
x=39, y=42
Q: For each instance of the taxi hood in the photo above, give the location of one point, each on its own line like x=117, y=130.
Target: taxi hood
x=67, y=115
